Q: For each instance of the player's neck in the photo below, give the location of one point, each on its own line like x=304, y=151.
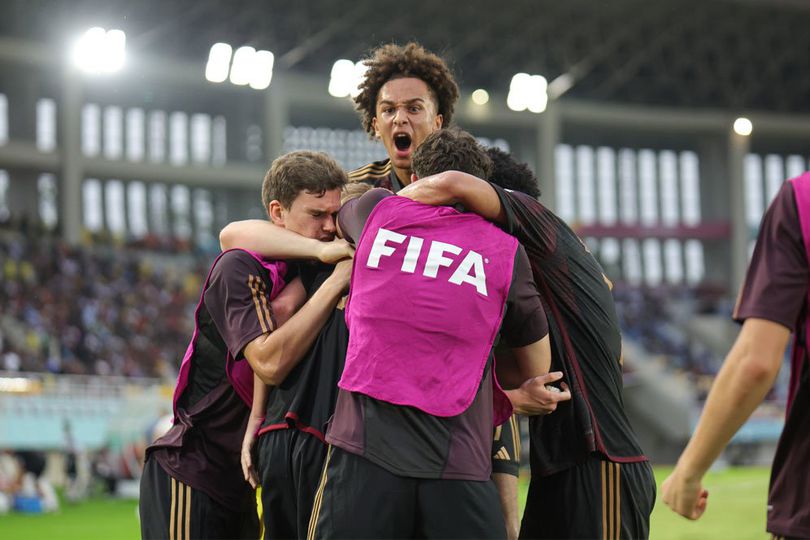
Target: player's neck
x=404, y=175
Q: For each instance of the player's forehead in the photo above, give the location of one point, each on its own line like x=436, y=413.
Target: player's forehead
x=405, y=90
x=328, y=201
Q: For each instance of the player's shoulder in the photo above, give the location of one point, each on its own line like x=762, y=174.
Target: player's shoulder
x=371, y=172
x=235, y=262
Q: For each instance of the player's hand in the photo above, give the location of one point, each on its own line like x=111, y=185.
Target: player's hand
x=684, y=495
x=342, y=273
x=334, y=251
x=534, y=397
x=246, y=457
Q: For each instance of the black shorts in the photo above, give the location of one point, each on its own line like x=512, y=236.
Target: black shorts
x=170, y=509
x=358, y=499
x=289, y=465
x=596, y=499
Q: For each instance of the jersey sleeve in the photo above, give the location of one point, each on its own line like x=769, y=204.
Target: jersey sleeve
x=775, y=285
x=353, y=215
x=238, y=300
x=506, y=448
x=525, y=320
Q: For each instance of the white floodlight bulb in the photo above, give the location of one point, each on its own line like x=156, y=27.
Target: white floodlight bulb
x=219, y=62
x=537, y=96
x=480, y=97
x=743, y=126
x=358, y=74
x=518, y=92
x=115, y=43
x=87, y=48
x=242, y=67
x=262, y=70
x=340, y=78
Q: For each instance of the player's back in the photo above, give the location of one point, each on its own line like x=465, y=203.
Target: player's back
x=585, y=340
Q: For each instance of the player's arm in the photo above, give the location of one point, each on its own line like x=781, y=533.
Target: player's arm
x=276, y=242
x=284, y=306
x=355, y=212
x=505, y=471
x=273, y=355
x=507, y=485
x=748, y=373
x=255, y=420
x=455, y=187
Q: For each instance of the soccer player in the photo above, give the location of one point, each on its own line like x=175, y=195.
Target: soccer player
x=590, y=478
x=773, y=302
x=191, y=486
x=411, y=435
x=406, y=94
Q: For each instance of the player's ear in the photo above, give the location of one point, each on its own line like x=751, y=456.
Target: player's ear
x=438, y=121
x=276, y=212
x=374, y=126
x=413, y=178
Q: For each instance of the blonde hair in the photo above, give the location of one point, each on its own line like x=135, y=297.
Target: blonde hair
x=352, y=190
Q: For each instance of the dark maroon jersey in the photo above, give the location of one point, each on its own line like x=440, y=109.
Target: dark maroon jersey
x=202, y=448
x=775, y=289
x=586, y=342
x=305, y=400
x=377, y=174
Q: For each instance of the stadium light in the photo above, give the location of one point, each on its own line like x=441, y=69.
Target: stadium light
x=345, y=78
x=480, y=97
x=219, y=62
x=743, y=126
x=249, y=67
x=100, y=50
x=242, y=67
x=528, y=92
x=262, y=70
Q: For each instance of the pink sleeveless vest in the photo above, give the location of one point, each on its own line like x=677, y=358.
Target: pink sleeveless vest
x=801, y=191
x=428, y=294
x=239, y=373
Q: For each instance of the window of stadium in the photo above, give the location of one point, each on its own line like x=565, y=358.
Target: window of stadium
x=136, y=209
x=3, y=119
x=114, y=207
x=178, y=138
x=201, y=138
x=157, y=136
x=113, y=132
x=5, y=211
x=46, y=125
x=136, y=142
x=91, y=129
x=92, y=205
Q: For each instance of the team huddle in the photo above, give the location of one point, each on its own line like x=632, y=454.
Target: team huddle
x=361, y=354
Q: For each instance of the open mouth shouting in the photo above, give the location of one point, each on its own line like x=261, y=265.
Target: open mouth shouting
x=402, y=142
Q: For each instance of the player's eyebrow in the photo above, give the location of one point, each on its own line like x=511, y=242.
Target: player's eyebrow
x=407, y=101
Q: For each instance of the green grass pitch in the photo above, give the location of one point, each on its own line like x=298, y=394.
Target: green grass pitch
x=736, y=510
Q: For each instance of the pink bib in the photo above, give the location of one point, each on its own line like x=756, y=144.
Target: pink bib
x=428, y=294
x=801, y=191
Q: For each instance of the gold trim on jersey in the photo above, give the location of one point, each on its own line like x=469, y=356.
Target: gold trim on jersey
x=259, y=294
x=372, y=170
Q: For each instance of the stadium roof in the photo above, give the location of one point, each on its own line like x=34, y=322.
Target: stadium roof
x=727, y=54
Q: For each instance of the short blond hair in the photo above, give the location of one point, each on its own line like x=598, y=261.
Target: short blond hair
x=352, y=190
